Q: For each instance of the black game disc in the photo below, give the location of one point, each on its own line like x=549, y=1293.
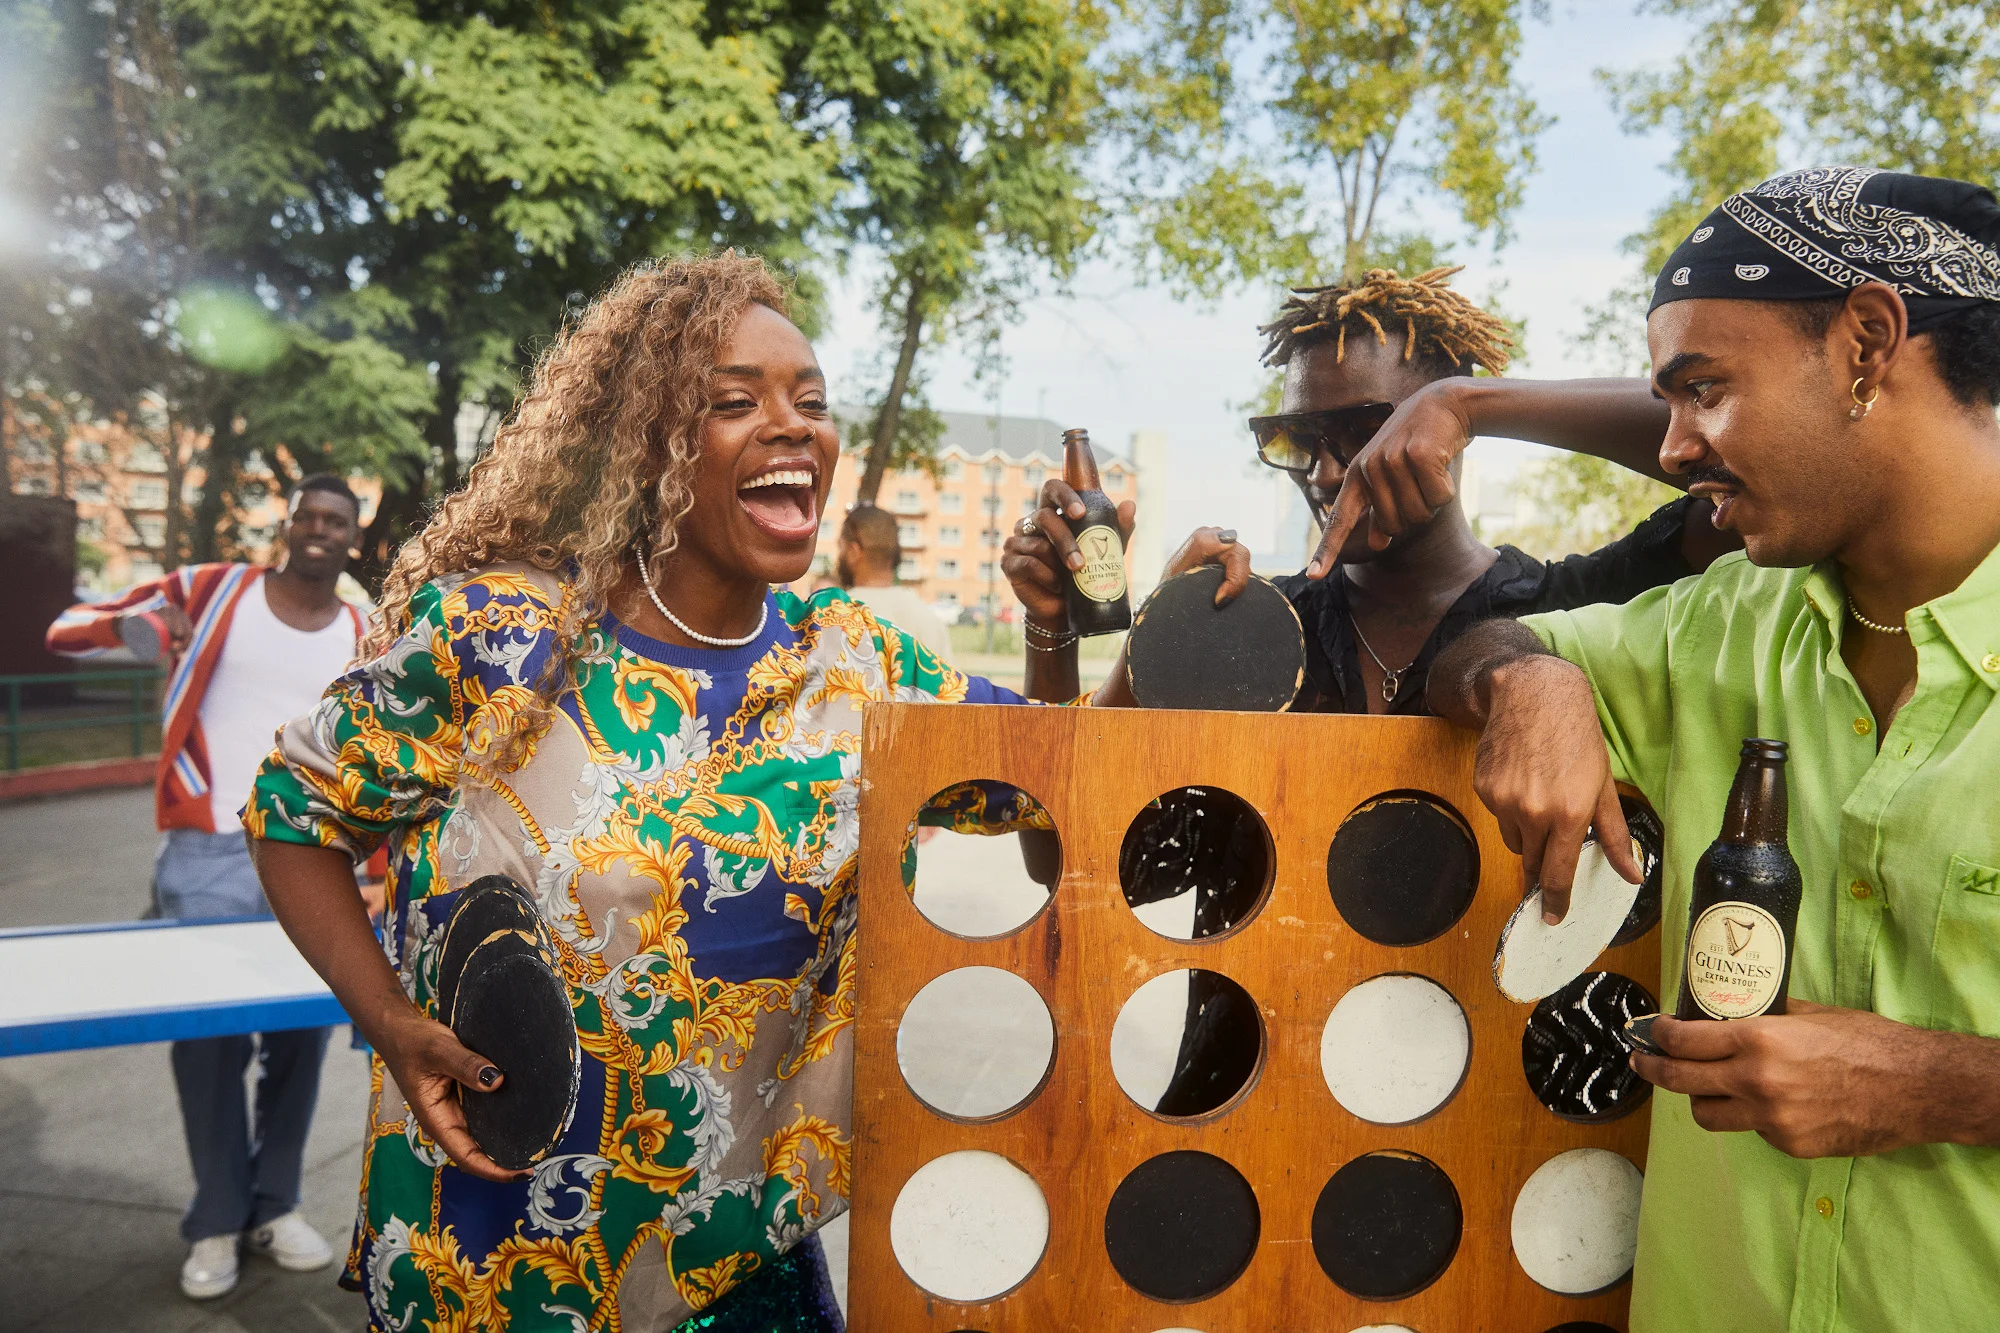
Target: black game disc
x=1186, y=652
x=1403, y=868
x=1182, y=1226
x=489, y=905
x=1387, y=1225
x=1647, y=831
x=1572, y=1052
x=514, y=1010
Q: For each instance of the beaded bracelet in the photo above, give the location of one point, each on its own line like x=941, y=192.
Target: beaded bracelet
x=1054, y=646
x=1048, y=635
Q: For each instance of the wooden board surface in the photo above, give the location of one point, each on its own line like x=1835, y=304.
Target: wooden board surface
x=1095, y=770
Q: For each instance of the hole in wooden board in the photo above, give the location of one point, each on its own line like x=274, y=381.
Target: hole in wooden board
x=1651, y=836
x=1395, y=1049
x=1182, y=1226
x=1402, y=868
x=1573, y=1050
x=981, y=884
x=1196, y=863
x=1387, y=1225
x=1188, y=1043
x=1576, y=1222
x=969, y=1226
x=976, y=1043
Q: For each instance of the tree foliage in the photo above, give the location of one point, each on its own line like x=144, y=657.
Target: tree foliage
x=1904, y=85
x=968, y=122
x=1294, y=138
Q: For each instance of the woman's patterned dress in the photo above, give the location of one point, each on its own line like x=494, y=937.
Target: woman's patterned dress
x=688, y=825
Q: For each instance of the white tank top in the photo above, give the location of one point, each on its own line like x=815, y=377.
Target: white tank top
x=268, y=674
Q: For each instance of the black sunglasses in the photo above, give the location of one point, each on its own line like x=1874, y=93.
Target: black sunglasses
x=1291, y=440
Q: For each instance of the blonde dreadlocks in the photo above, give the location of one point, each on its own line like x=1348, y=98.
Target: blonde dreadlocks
x=1439, y=326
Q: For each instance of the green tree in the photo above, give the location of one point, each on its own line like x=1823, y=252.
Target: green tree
x=1905, y=85
x=452, y=181
x=1351, y=112
x=139, y=311
x=968, y=121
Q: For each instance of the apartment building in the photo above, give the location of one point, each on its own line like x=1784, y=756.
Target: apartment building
x=992, y=472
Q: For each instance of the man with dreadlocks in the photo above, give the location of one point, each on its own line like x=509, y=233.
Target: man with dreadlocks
x=1376, y=609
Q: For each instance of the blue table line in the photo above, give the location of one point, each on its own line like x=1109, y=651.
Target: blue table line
x=219, y=1018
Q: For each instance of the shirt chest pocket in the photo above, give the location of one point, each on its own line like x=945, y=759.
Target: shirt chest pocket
x=1965, y=949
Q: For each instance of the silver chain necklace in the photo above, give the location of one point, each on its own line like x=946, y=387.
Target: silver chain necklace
x=646, y=577
x=1390, y=679
x=1855, y=611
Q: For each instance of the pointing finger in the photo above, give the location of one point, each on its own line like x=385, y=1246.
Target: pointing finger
x=1349, y=507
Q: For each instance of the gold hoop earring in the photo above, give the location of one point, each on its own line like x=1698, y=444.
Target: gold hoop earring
x=1862, y=406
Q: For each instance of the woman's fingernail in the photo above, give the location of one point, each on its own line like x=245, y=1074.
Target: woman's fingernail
x=1075, y=560
x=488, y=1076
x=1550, y=917
x=1227, y=536
x=1076, y=511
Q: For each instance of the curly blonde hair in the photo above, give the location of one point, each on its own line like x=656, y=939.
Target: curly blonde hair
x=598, y=452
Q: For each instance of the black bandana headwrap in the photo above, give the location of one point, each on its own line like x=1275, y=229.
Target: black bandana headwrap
x=1811, y=235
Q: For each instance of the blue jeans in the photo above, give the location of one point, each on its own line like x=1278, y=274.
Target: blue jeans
x=247, y=1159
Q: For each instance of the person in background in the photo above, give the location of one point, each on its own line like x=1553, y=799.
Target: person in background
x=252, y=648
x=870, y=553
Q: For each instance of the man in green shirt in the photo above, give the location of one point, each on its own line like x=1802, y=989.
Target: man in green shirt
x=1827, y=347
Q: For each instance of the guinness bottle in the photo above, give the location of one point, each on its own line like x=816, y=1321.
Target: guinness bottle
x=1098, y=600
x=1746, y=899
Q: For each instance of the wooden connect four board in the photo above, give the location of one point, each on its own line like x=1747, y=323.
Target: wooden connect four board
x=1086, y=952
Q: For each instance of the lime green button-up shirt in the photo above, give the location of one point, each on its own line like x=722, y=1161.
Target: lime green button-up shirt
x=1900, y=851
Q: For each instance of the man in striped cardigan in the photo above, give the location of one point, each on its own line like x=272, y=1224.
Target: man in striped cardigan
x=252, y=649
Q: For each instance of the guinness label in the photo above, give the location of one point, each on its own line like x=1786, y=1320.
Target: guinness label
x=1735, y=960
x=1102, y=578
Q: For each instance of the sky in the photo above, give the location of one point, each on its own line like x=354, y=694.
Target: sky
x=1119, y=358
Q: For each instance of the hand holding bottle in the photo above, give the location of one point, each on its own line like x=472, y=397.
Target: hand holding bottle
x=1824, y=1082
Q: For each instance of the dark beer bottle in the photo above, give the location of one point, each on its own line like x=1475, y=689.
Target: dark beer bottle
x=1746, y=899
x=1097, y=596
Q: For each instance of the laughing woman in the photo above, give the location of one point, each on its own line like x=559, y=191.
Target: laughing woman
x=582, y=679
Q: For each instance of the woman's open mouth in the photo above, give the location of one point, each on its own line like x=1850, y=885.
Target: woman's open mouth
x=783, y=502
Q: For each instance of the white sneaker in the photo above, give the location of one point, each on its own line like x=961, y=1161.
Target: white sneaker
x=291, y=1243
x=210, y=1270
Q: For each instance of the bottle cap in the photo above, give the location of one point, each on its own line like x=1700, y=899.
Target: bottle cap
x=1756, y=747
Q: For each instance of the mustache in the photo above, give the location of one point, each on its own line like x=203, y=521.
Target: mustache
x=1720, y=476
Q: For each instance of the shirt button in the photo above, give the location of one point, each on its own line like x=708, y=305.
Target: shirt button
x=1824, y=1207
x=1862, y=726
x=1859, y=889
x=1990, y=662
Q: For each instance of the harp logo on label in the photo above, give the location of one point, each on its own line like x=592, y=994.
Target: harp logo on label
x=1102, y=578
x=1703, y=234
x=1736, y=958
x=1752, y=272
x=1681, y=275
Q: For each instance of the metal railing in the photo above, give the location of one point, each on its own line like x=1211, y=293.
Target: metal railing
x=139, y=686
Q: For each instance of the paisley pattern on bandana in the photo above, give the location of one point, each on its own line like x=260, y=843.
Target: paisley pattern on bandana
x=688, y=825
x=1816, y=218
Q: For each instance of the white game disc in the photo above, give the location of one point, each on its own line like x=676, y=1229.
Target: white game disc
x=1576, y=1221
x=975, y=1042
x=1535, y=959
x=969, y=1226
x=1395, y=1049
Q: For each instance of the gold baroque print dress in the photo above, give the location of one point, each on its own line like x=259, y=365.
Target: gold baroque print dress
x=688, y=825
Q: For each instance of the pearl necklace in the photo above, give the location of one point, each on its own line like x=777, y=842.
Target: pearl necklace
x=646, y=577
x=1855, y=611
